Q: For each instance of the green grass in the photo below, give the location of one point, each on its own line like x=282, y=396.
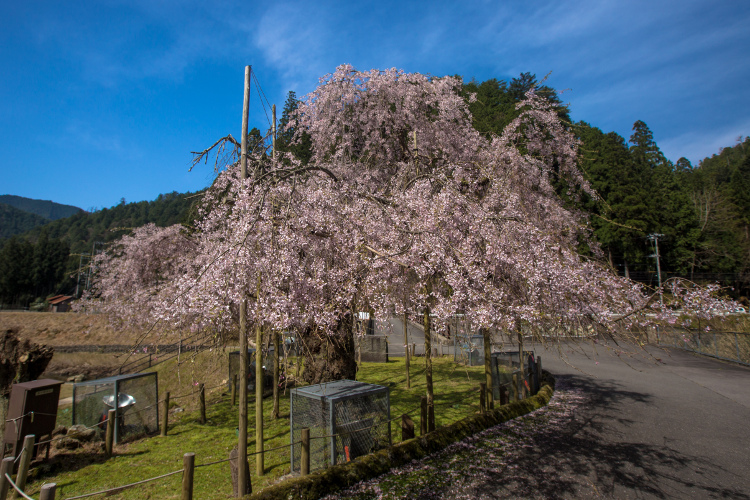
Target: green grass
x=85, y=471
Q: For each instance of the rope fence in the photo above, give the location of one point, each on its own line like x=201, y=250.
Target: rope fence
x=455, y=400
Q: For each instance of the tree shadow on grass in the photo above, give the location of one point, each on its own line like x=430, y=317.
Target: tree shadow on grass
x=578, y=460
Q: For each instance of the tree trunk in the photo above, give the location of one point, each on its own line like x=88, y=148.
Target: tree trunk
x=330, y=357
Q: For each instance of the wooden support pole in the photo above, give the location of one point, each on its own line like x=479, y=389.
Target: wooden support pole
x=110, y=436
x=407, y=427
x=516, y=394
x=276, y=373
x=234, y=390
x=413, y=350
x=23, y=465
x=406, y=348
x=482, y=394
x=188, y=469
x=428, y=370
x=202, y=401
x=48, y=491
x=487, y=341
x=304, y=468
x=165, y=414
x=259, y=376
x=6, y=467
x=423, y=417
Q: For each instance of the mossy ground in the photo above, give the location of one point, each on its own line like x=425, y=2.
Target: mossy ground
x=86, y=470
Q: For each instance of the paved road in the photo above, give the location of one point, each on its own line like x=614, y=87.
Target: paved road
x=673, y=425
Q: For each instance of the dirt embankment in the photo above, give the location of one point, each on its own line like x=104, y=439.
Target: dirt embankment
x=64, y=329
x=71, y=329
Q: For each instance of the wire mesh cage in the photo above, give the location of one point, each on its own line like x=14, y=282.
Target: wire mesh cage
x=469, y=349
x=234, y=368
x=134, y=396
x=347, y=419
x=373, y=348
x=505, y=364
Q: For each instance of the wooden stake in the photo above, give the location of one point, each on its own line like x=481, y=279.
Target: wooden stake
x=23, y=465
x=407, y=427
x=188, y=467
x=202, y=402
x=423, y=416
x=304, y=468
x=48, y=491
x=6, y=467
x=110, y=436
x=488, y=367
x=165, y=415
x=482, y=393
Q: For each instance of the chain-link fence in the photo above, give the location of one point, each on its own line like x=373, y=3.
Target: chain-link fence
x=134, y=396
x=373, y=348
x=730, y=346
x=507, y=364
x=469, y=349
x=346, y=418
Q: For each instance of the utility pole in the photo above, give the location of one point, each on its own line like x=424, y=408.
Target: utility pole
x=655, y=238
x=242, y=478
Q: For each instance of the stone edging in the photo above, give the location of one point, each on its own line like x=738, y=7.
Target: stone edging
x=337, y=477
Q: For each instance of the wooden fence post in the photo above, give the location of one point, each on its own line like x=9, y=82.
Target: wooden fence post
x=165, y=414
x=6, y=467
x=234, y=470
x=516, y=394
x=431, y=417
x=48, y=491
x=407, y=427
x=504, y=400
x=304, y=468
x=202, y=400
x=482, y=393
x=413, y=349
x=188, y=468
x=234, y=390
x=539, y=371
x=23, y=465
x=423, y=417
x=110, y=436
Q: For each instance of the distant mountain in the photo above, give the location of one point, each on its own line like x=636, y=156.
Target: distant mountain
x=44, y=208
x=15, y=221
x=82, y=229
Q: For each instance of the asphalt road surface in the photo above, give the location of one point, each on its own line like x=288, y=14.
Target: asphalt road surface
x=656, y=424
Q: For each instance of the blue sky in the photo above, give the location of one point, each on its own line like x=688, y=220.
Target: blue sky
x=103, y=100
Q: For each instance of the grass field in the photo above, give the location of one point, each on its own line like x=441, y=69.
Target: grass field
x=87, y=470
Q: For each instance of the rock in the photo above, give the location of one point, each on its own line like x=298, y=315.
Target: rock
x=67, y=443
x=77, y=378
x=82, y=433
x=60, y=430
x=20, y=361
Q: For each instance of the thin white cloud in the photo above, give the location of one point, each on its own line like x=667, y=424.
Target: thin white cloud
x=697, y=145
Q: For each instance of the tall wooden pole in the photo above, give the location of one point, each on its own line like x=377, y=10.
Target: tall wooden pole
x=406, y=348
x=242, y=479
x=276, y=349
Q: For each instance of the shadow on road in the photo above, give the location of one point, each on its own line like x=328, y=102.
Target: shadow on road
x=588, y=457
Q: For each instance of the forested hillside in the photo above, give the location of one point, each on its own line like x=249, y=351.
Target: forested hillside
x=14, y=221
x=44, y=208
x=699, y=215
x=45, y=260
